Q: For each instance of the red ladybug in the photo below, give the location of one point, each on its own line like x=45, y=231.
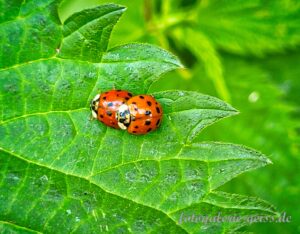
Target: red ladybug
x=141, y=114
x=117, y=108
x=104, y=106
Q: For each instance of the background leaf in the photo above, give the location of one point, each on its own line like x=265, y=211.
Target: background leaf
x=256, y=27
x=200, y=45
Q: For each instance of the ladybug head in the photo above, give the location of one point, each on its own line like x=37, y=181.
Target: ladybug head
x=123, y=116
x=94, y=106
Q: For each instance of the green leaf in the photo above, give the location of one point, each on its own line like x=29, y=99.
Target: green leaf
x=61, y=171
x=86, y=33
x=205, y=52
x=250, y=26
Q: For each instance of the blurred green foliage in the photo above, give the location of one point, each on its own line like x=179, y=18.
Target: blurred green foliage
x=246, y=52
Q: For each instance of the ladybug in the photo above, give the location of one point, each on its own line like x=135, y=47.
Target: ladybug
x=141, y=114
x=119, y=109
x=104, y=106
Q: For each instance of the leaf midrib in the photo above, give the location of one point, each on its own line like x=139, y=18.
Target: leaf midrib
x=41, y=113
x=87, y=109
x=175, y=159
x=19, y=226
x=60, y=59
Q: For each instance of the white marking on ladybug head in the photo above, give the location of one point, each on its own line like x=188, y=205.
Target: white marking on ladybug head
x=123, y=116
x=94, y=114
x=94, y=106
x=96, y=98
x=122, y=126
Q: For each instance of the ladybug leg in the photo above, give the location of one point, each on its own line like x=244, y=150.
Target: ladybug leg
x=91, y=118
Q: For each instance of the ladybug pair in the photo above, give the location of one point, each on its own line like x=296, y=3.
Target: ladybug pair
x=120, y=109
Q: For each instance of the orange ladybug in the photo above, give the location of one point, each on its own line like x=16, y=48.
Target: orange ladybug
x=104, y=106
x=145, y=114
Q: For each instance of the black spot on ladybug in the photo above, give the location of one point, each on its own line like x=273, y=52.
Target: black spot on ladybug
x=127, y=98
x=104, y=98
x=149, y=129
x=101, y=116
x=148, y=112
x=157, y=123
x=136, y=127
x=149, y=103
x=141, y=97
x=157, y=110
x=118, y=95
x=108, y=113
x=134, y=131
x=134, y=103
x=110, y=104
x=130, y=94
x=156, y=103
x=148, y=122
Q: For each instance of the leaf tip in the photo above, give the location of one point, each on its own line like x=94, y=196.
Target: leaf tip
x=264, y=159
x=180, y=64
x=122, y=8
x=268, y=161
x=175, y=61
x=232, y=110
x=118, y=8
